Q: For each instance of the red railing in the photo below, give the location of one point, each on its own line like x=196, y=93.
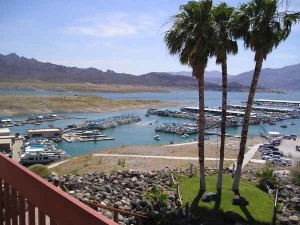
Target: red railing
x=27, y=199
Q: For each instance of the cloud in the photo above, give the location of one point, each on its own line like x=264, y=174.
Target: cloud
x=113, y=25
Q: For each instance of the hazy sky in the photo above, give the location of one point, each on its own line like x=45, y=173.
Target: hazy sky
x=121, y=35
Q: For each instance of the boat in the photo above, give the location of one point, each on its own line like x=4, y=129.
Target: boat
x=57, y=139
x=283, y=126
x=40, y=152
x=272, y=123
x=184, y=135
x=292, y=124
x=156, y=137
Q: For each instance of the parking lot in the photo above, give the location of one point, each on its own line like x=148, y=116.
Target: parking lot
x=281, y=151
x=288, y=147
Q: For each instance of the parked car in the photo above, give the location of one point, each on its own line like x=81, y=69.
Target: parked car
x=288, y=161
x=276, y=157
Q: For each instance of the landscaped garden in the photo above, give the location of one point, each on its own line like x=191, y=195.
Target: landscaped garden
x=259, y=210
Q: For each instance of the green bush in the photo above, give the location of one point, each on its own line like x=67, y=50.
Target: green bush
x=156, y=194
x=296, y=174
x=40, y=170
x=267, y=178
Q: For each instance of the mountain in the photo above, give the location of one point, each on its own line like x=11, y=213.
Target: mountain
x=210, y=76
x=14, y=68
x=285, y=78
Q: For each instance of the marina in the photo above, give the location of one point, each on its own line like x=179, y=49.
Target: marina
x=142, y=133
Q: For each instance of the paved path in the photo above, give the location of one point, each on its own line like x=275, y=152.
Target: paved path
x=249, y=155
x=58, y=163
x=159, y=157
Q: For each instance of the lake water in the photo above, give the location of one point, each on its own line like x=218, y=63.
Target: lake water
x=142, y=133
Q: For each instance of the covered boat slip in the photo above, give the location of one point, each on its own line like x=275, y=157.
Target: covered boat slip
x=262, y=108
x=214, y=111
x=284, y=103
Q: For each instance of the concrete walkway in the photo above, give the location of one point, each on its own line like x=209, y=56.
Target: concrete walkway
x=249, y=155
x=58, y=163
x=159, y=157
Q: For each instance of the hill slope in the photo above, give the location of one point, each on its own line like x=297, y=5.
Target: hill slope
x=286, y=78
x=14, y=68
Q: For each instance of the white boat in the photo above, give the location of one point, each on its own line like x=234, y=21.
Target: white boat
x=41, y=152
x=184, y=135
x=156, y=137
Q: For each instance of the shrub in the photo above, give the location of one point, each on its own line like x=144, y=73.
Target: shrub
x=267, y=179
x=296, y=174
x=121, y=162
x=156, y=194
x=40, y=170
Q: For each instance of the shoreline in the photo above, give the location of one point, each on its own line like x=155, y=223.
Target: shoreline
x=151, y=157
x=17, y=105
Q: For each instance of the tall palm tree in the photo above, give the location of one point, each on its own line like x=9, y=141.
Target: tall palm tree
x=189, y=38
x=225, y=44
x=262, y=27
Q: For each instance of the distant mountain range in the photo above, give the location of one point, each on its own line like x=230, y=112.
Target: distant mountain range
x=285, y=78
x=14, y=68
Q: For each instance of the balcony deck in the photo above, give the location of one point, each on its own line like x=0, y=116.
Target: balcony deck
x=27, y=199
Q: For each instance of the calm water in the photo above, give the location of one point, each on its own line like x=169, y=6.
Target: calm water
x=142, y=133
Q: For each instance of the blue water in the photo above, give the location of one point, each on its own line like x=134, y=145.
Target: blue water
x=142, y=133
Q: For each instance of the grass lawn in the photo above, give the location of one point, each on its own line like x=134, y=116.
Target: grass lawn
x=259, y=210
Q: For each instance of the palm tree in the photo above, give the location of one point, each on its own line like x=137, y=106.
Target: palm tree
x=262, y=27
x=225, y=44
x=189, y=37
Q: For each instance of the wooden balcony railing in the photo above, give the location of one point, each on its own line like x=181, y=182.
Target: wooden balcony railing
x=27, y=199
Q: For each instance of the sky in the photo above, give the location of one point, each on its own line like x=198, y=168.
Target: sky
x=121, y=35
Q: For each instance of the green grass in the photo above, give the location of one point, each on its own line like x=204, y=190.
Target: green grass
x=259, y=210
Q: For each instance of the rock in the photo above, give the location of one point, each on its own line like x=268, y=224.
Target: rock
x=208, y=197
x=233, y=217
x=295, y=200
x=283, y=220
x=238, y=200
x=294, y=219
x=108, y=189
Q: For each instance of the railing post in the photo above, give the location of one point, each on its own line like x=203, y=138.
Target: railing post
x=116, y=216
x=140, y=221
x=191, y=170
x=14, y=206
x=1, y=201
x=233, y=168
x=31, y=214
x=7, y=203
x=22, y=210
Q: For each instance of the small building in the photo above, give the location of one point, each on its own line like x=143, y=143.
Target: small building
x=4, y=132
x=44, y=133
x=5, y=145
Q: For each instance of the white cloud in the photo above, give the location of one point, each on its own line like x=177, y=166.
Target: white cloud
x=112, y=25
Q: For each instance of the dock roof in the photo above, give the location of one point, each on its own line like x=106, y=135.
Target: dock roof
x=45, y=130
x=277, y=101
x=219, y=111
x=265, y=108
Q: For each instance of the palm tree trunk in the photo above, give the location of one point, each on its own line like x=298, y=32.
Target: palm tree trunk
x=201, y=127
x=259, y=61
x=223, y=123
